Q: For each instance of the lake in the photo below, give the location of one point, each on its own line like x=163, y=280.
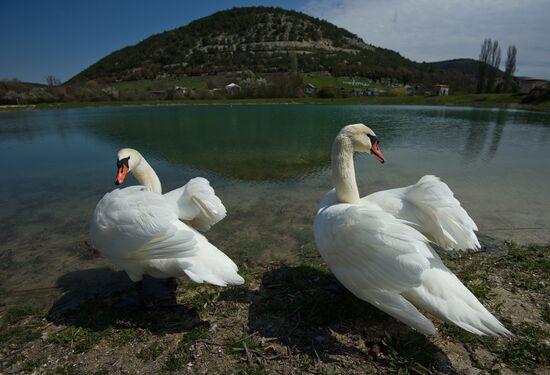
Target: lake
x=268, y=163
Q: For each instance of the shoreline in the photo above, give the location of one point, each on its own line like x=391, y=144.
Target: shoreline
x=287, y=318
x=489, y=101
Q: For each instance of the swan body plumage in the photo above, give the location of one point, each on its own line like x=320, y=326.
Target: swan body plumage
x=144, y=232
x=379, y=246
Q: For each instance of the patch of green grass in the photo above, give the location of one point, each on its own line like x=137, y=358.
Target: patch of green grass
x=18, y=313
x=328, y=370
x=527, y=268
x=30, y=365
x=312, y=292
x=150, y=352
x=530, y=331
x=478, y=290
x=78, y=338
x=247, y=370
x=474, y=100
x=303, y=236
x=247, y=248
x=532, y=258
x=182, y=355
x=405, y=355
x=248, y=278
x=546, y=314
x=18, y=335
x=236, y=346
x=128, y=335
x=246, y=275
x=144, y=86
x=465, y=337
x=321, y=80
x=200, y=298
x=524, y=353
x=67, y=370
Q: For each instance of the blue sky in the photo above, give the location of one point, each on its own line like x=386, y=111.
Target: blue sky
x=63, y=37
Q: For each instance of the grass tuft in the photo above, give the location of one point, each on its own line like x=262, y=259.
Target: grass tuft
x=78, y=338
x=405, y=355
x=150, y=352
x=18, y=313
x=18, y=335
x=182, y=355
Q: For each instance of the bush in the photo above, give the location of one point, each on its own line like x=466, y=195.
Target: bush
x=326, y=92
x=537, y=96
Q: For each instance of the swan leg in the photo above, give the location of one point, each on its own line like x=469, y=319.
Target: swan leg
x=138, y=285
x=139, y=289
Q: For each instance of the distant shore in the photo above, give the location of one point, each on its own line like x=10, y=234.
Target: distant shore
x=508, y=101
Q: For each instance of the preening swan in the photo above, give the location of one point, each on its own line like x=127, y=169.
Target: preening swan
x=379, y=246
x=146, y=233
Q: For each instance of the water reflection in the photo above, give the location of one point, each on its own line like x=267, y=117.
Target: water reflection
x=264, y=143
x=254, y=144
x=497, y=131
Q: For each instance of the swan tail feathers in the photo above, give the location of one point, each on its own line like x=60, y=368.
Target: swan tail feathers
x=463, y=310
x=197, y=204
x=446, y=222
x=212, y=266
x=401, y=309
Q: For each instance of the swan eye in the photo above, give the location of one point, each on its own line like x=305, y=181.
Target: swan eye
x=373, y=139
x=121, y=162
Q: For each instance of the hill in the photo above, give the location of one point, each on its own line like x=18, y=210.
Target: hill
x=466, y=66
x=257, y=39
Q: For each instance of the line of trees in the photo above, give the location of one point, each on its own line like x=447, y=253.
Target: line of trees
x=489, y=65
x=510, y=67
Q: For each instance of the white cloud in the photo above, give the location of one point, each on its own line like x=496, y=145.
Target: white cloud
x=433, y=30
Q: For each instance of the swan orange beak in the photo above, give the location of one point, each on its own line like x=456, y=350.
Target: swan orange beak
x=376, y=152
x=121, y=174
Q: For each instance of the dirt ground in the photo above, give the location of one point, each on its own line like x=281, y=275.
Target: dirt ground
x=289, y=318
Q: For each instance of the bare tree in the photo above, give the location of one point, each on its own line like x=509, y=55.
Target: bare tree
x=486, y=48
x=510, y=66
x=52, y=81
x=494, y=63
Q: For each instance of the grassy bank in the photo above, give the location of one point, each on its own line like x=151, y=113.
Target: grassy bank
x=287, y=318
x=470, y=100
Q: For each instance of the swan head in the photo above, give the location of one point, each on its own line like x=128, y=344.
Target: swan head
x=127, y=159
x=363, y=139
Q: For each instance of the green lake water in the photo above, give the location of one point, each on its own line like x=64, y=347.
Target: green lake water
x=268, y=163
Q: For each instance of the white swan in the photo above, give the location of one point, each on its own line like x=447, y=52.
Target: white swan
x=378, y=246
x=145, y=233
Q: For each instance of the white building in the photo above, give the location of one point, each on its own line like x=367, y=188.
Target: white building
x=441, y=90
x=232, y=88
x=527, y=84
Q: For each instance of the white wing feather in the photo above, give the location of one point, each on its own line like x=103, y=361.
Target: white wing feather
x=132, y=223
x=197, y=204
x=385, y=261
x=432, y=206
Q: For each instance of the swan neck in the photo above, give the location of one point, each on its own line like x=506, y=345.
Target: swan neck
x=147, y=177
x=343, y=172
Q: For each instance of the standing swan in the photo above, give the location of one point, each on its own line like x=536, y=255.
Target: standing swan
x=144, y=232
x=379, y=246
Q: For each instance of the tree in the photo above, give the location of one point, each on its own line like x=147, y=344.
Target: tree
x=510, y=66
x=486, y=47
x=494, y=63
x=293, y=63
x=52, y=81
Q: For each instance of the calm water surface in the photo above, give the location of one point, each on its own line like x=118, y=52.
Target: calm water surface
x=268, y=163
